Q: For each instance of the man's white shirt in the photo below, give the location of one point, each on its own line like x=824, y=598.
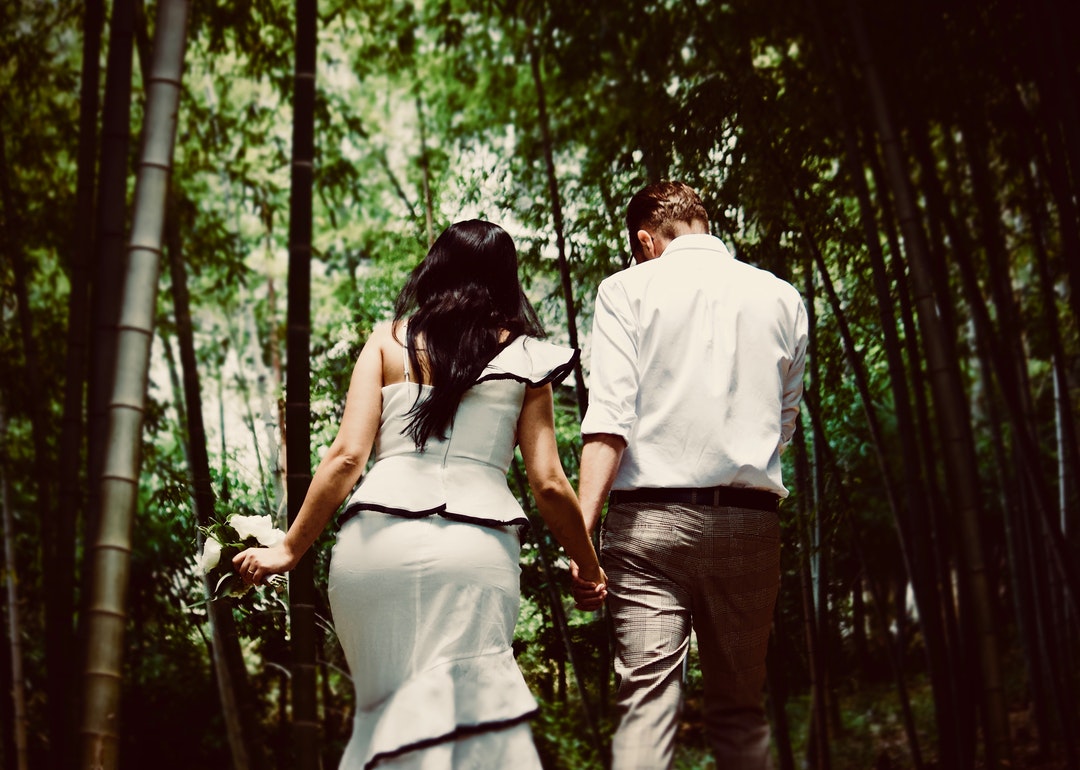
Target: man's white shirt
x=697, y=361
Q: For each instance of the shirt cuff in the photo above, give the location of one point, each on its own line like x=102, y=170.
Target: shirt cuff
x=600, y=420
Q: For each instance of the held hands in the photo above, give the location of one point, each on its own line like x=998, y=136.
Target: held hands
x=589, y=590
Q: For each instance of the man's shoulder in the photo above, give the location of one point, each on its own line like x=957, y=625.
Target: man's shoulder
x=618, y=282
x=766, y=279
x=696, y=269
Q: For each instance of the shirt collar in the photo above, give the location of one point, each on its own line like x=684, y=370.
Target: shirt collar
x=697, y=241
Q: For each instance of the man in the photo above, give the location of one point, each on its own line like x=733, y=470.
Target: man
x=697, y=366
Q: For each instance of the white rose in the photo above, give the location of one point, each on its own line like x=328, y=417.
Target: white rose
x=260, y=527
x=210, y=556
x=271, y=537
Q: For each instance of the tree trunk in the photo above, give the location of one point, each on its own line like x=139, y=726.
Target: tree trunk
x=894, y=648
x=228, y=659
x=108, y=269
x=425, y=168
x=298, y=387
x=275, y=412
x=558, y=615
x=895, y=654
x=1046, y=637
x=111, y=554
x=810, y=480
x=854, y=358
x=913, y=525
x=21, y=720
x=953, y=415
x=1068, y=452
x=1065, y=416
x=241, y=376
x=1056, y=80
x=1067, y=218
x=859, y=638
x=908, y=522
x=1009, y=379
x=817, y=756
x=60, y=577
x=32, y=385
x=557, y=222
x=1007, y=360
x=258, y=409
x=778, y=694
x=940, y=555
x=1018, y=549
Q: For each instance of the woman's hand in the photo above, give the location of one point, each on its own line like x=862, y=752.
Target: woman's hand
x=255, y=565
x=589, y=587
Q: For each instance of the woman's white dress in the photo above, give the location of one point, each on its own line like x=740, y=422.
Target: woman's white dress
x=425, y=582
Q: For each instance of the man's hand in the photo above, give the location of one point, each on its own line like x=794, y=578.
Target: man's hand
x=589, y=595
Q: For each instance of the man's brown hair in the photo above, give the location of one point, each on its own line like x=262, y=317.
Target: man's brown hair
x=657, y=207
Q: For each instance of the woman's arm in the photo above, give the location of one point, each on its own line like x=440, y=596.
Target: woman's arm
x=553, y=493
x=337, y=473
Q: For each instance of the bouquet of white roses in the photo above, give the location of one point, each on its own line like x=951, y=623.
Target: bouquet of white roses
x=222, y=540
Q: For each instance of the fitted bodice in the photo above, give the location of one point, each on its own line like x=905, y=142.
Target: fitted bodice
x=484, y=428
x=462, y=476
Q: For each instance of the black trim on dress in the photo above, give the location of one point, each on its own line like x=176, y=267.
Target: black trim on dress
x=439, y=510
x=558, y=374
x=461, y=731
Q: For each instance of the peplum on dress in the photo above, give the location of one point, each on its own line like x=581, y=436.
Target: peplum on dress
x=424, y=581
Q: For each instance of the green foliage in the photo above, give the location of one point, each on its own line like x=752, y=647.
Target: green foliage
x=560, y=738
x=431, y=110
x=169, y=672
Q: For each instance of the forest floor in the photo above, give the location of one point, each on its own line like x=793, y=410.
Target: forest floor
x=872, y=736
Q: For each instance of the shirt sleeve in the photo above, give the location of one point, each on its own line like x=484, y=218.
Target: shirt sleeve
x=793, y=378
x=613, y=381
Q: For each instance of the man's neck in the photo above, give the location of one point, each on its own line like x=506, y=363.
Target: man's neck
x=697, y=227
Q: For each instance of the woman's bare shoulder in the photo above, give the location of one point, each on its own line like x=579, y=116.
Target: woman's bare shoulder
x=384, y=333
x=388, y=337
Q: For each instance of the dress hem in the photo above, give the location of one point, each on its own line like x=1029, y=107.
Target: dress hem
x=461, y=731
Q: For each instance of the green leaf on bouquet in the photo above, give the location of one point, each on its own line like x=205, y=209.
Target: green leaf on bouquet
x=230, y=584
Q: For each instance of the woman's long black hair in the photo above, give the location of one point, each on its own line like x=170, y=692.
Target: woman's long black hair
x=461, y=296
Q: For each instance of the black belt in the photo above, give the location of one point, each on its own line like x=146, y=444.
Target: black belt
x=728, y=497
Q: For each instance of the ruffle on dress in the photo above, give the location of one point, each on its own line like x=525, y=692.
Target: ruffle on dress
x=532, y=361
x=452, y=701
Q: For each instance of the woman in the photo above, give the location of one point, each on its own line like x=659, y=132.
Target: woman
x=424, y=576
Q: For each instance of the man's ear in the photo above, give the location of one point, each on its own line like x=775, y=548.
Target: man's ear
x=648, y=246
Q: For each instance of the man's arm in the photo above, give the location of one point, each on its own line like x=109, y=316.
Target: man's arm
x=793, y=380
x=613, y=390
x=611, y=413
x=600, y=457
